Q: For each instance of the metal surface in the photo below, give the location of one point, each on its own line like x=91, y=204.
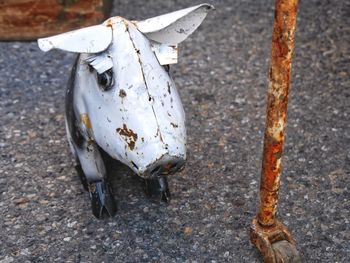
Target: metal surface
x=139, y=120
x=265, y=228
x=92, y=39
x=174, y=27
x=122, y=99
x=166, y=54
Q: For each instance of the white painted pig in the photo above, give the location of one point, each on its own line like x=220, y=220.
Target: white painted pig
x=121, y=99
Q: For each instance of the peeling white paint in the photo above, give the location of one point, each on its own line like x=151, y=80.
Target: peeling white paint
x=166, y=54
x=174, y=27
x=100, y=62
x=92, y=39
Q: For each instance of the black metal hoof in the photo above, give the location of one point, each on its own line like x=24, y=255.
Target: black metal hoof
x=158, y=187
x=82, y=177
x=103, y=204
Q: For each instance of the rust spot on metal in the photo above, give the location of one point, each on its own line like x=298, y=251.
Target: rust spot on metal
x=85, y=120
x=129, y=136
x=84, y=117
x=109, y=22
x=168, y=166
x=122, y=93
x=160, y=135
x=174, y=125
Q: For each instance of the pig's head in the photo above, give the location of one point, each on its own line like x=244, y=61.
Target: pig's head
x=123, y=89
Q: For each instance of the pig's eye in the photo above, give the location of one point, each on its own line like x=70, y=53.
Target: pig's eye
x=105, y=80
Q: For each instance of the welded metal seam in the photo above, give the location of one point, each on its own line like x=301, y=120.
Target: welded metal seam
x=144, y=80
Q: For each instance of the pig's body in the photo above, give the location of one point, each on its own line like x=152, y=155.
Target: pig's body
x=121, y=99
x=140, y=121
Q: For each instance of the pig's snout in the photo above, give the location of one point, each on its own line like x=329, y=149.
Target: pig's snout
x=165, y=165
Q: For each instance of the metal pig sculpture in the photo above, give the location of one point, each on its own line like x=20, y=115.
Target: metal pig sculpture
x=121, y=99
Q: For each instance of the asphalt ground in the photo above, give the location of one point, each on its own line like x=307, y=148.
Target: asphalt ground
x=222, y=79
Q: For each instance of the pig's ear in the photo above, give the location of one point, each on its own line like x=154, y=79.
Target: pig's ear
x=174, y=27
x=92, y=39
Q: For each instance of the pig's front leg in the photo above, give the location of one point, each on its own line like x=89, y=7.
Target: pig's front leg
x=158, y=188
x=94, y=172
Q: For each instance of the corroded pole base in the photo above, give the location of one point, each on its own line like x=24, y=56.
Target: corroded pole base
x=275, y=242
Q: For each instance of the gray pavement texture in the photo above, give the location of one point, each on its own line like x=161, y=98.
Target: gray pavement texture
x=222, y=79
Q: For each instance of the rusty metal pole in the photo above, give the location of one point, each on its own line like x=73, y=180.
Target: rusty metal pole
x=266, y=229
